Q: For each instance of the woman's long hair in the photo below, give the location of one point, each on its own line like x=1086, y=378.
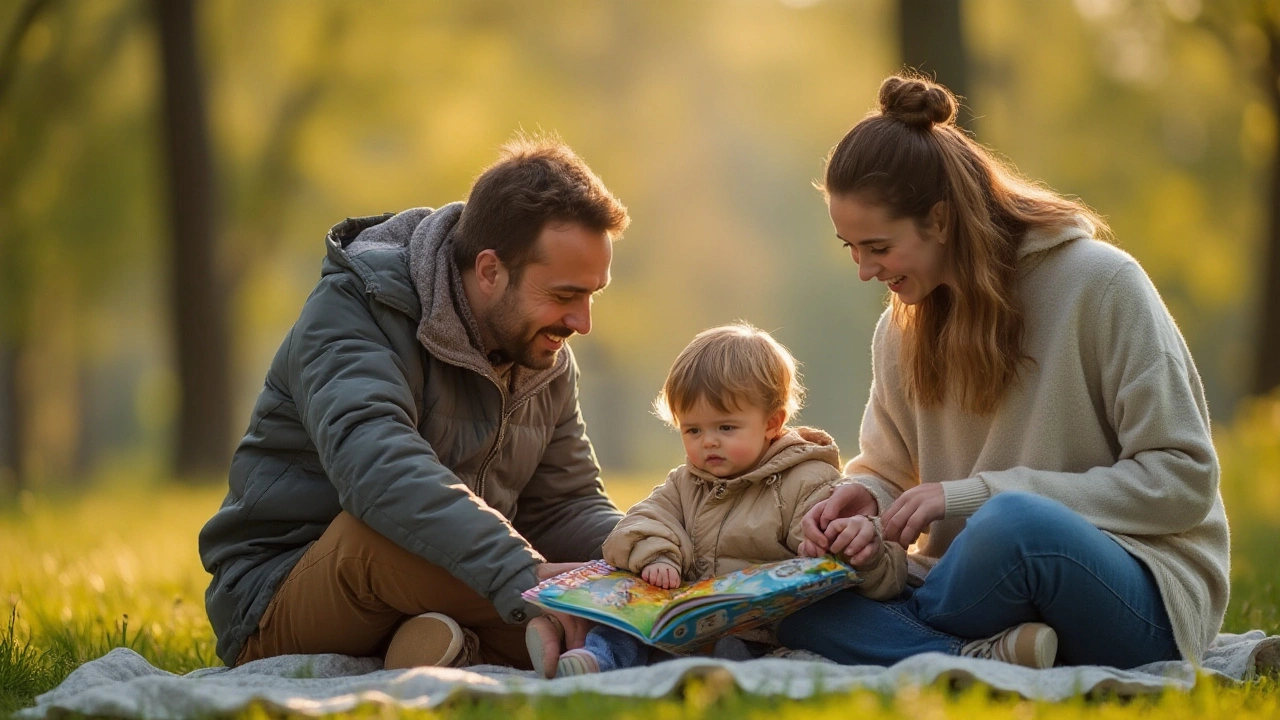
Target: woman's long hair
x=909, y=155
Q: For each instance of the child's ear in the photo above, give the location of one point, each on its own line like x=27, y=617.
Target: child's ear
x=773, y=424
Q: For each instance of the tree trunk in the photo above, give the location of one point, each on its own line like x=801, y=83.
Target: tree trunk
x=931, y=36
x=1266, y=371
x=198, y=296
x=12, y=419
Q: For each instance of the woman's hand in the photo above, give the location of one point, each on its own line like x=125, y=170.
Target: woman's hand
x=661, y=574
x=845, y=501
x=912, y=512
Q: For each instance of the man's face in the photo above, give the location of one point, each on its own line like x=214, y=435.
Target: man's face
x=534, y=317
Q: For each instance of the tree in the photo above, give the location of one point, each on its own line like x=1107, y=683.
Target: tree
x=199, y=298
x=12, y=329
x=931, y=34
x=1251, y=30
x=1266, y=369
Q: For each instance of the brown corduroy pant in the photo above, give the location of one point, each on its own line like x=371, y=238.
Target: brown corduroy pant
x=353, y=588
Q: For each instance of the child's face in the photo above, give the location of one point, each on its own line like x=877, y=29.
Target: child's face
x=727, y=443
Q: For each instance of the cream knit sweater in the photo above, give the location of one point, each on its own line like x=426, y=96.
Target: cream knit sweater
x=1110, y=420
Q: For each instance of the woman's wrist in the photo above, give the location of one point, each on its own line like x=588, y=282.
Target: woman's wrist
x=964, y=497
x=882, y=499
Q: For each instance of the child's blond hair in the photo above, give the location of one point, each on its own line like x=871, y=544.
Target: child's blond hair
x=730, y=367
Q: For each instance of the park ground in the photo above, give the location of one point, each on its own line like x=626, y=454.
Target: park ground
x=116, y=565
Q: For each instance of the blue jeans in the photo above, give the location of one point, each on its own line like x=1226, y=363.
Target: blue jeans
x=1021, y=558
x=614, y=649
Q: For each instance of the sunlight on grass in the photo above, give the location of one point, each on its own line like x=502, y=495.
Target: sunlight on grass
x=118, y=566
x=114, y=568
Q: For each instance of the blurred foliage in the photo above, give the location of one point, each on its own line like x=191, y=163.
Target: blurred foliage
x=710, y=120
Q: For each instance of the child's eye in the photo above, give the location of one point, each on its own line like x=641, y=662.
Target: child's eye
x=691, y=431
x=727, y=428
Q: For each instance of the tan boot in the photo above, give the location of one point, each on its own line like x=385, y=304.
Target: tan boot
x=431, y=640
x=1033, y=645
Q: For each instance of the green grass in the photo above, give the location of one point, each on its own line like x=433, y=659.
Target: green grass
x=118, y=566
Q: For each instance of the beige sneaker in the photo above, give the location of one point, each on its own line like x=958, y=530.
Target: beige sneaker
x=544, y=636
x=431, y=639
x=1033, y=645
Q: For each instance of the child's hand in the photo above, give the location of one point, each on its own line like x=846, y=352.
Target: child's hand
x=845, y=501
x=661, y=574
x=855, y=538
x=808, y=549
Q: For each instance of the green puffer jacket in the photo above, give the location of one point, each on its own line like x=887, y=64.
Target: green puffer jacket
x=379, y=403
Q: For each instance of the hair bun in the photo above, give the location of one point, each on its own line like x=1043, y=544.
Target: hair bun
x=918, y=102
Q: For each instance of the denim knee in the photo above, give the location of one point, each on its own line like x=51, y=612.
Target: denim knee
x=1019, y=522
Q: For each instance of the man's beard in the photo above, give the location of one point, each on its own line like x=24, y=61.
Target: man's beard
x=516, y=337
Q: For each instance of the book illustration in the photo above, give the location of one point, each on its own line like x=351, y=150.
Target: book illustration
x=684, y=618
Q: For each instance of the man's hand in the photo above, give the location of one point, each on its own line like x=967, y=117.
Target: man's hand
x=550, y=570
x=661, y=574
x=845, y=501
x=575, y=628
x=913, y=512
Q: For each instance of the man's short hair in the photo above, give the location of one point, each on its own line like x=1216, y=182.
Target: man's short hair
x=537, y=180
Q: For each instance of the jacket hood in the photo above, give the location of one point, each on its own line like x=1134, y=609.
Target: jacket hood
x=796, y=445
x=1040, y=239
x=420, y=278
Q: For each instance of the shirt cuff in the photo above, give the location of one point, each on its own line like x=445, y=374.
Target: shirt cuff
x=963, y=497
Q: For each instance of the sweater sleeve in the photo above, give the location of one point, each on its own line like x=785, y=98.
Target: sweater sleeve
x=884, y=463
x=354, y=400
x=653, y=529
x=1165, y=478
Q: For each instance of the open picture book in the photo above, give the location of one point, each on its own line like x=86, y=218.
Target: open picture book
x=685, y=618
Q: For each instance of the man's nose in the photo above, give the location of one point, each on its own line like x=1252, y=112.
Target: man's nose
x=578, y=319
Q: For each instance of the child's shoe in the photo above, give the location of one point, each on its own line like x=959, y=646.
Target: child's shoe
x=1033, y=645
x=431, y=639
x=543, y=637
x=577, y=662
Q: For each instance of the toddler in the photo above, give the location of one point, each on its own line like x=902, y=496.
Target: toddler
x=737, y=501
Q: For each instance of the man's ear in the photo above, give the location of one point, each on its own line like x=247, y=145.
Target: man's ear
x=773, y=424
x=938, y=220
x=491, y=274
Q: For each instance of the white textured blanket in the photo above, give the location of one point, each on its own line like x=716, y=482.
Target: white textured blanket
x=122, y=684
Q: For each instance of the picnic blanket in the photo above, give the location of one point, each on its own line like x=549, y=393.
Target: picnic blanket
x=122, y=684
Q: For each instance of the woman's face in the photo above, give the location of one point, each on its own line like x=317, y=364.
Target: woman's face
x=899, y=253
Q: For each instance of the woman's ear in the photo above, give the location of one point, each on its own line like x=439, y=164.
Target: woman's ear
x=938, y=221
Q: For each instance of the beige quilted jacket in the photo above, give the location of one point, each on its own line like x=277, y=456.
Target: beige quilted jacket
x=710, y=526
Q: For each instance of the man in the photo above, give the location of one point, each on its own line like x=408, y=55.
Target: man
x=417, y=457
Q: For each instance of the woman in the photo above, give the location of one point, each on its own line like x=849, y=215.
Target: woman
x=1033, y=409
